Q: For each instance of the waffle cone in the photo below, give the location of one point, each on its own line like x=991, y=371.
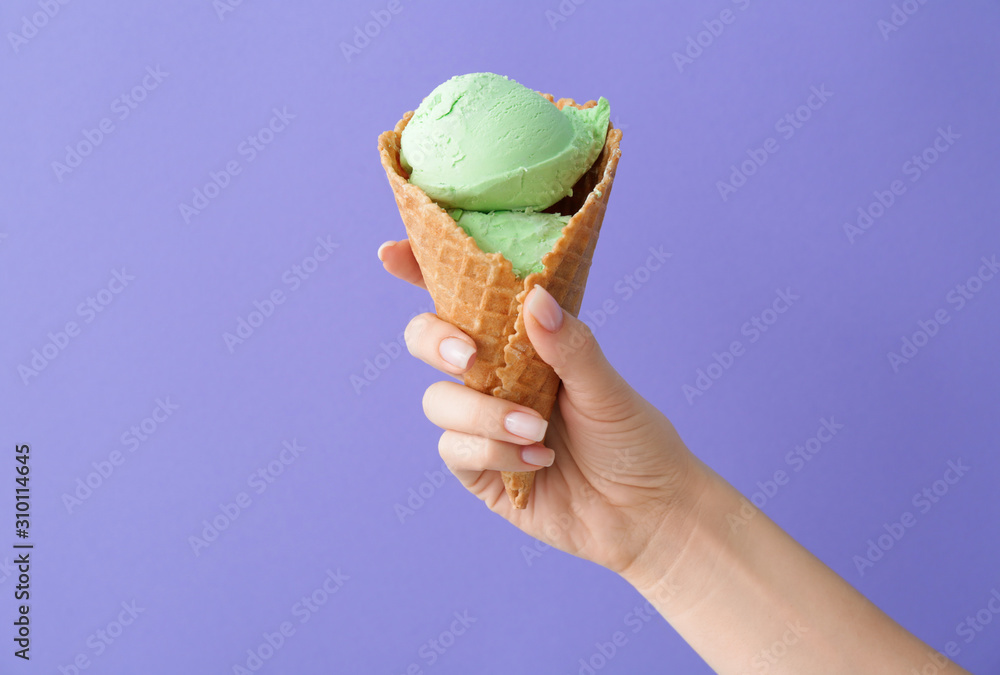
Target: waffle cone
x=480, y=294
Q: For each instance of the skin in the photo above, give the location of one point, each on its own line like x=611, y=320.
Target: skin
x=622, y=490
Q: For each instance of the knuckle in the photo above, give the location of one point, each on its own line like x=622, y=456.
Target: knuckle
x=484, y=417
x=581, y=343
x=444, y=444
x=495, y=454
x=460, y=450
x=583, y=336
x=415, y=330
x=466, y=449
x=431, y=395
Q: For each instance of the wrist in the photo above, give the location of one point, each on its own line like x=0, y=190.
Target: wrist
x=680, y=564
x=674, y=530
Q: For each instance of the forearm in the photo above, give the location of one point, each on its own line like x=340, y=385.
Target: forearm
x=749, y=599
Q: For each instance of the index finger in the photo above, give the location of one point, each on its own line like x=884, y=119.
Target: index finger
x=398, y=260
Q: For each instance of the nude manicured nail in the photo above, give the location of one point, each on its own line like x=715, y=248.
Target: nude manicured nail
x=382, y=248
x=545, y=309
x=538, y=456
x=525, y=425
x=456, y=352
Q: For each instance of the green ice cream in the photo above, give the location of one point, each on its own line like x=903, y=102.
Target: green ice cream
x=522, y=238
x=483, y=142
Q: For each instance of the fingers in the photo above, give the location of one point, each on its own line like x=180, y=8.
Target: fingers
x=468, y=453
x=567, y=344
x=397, y=258
x=454, y=407
x=439, y=344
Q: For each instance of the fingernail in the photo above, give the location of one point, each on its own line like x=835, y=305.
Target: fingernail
x=383, y=247
x=545, y=309
x=539, y=456
x=524, y=425
x=456, y=352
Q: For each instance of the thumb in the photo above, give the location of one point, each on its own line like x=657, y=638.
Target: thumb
x=568, y=345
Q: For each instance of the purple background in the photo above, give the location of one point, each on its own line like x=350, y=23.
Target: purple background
x=337, y=505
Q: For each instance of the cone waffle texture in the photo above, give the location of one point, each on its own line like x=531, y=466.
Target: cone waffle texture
x=480, y=294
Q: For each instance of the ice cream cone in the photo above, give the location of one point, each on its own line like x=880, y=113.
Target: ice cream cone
x=480, y=294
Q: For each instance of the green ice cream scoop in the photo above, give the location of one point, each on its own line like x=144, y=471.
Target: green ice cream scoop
x=522, y=238
x=486, y=143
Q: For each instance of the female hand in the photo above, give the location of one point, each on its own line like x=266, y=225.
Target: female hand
x=618, y=476
x=623, y=491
